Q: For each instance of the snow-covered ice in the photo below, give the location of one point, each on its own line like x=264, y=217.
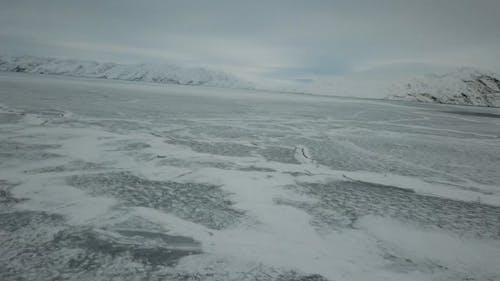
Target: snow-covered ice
x=110, y=180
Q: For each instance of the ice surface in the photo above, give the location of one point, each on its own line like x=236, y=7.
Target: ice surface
x=103, y=180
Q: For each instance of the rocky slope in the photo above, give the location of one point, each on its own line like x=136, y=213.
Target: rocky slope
x=167, y=74
x=465, y=86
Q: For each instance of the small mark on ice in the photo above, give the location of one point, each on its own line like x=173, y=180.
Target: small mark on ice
x=303, y=155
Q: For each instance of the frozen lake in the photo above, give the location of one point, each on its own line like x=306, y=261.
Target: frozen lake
x=109, y=180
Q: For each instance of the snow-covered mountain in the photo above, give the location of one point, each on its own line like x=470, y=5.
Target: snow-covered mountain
x=466, y=86
x=412, y=82
x=167, y=74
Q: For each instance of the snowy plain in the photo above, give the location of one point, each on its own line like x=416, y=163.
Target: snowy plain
x=115, y=180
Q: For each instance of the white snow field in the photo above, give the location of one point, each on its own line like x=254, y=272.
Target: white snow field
x=114, y=180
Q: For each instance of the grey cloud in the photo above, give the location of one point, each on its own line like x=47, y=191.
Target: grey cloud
x=280, y=38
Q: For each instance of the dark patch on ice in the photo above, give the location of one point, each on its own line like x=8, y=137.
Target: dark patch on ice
x=218, y=148
x=128, y=145
x=295, y=276
x=117, y=125
x=29, y=251
x=478, y=114
x=200, y=203
x=378, y=185
x=176, y=162
x=170, y=239
x=218, y=165
x=220, y=271
x=6, y=197
x=148, y=247
x=256, y=169
x=9, y=146
x=28, y=155
x=279, y=154
x=47, y=113
x=69, y=167
x=14, y=221
x=40, y=246
x=341, y=203
x=406, y=265
x=23, y=151
x=22, y=244
x=298, y=174
x=7, y=200
x=222, y=131
x=9, y=118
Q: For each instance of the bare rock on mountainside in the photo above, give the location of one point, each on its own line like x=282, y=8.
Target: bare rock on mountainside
x=465, y=86
x=165, y=74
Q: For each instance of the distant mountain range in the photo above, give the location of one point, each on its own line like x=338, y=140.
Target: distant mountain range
x=414, y=82
x=410, y=82
x=166, y=74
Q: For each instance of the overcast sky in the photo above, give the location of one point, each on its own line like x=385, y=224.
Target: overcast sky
x=278, y=39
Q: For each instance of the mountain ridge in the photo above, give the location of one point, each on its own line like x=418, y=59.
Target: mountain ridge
x=465, y=86
x=156, y=73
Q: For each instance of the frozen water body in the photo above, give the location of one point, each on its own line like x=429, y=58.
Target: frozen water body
x=341, y=204
x=104, y=180
x=201, y=203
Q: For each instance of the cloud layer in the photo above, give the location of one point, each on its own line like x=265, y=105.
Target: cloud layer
x=258, y=39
